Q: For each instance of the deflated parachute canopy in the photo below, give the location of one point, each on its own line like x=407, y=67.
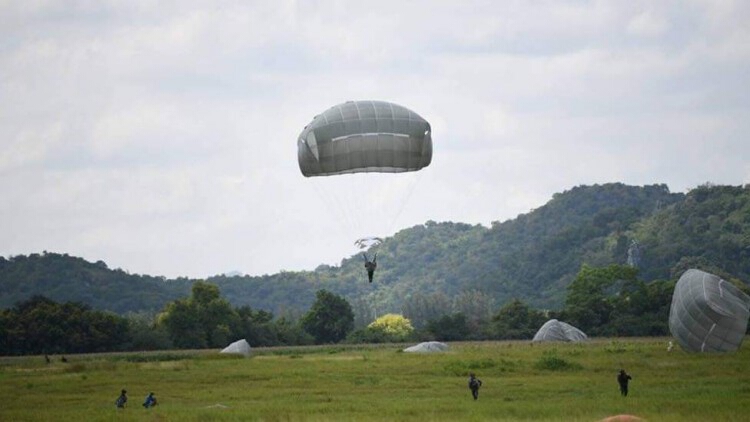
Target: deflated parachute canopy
x=364, y=137
x=554, y=330
x=427, y=347
x=708, y=314
x=239, y=347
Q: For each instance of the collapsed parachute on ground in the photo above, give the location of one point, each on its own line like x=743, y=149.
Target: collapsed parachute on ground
x=554, y=330
x=239, y=347
x=364, y=137
x=622, y=418
x=368, y=242
x=427, y=347
x=708, y=314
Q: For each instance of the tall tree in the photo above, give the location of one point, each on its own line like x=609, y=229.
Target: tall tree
x=40, y=325
x=516, y=320
x=449, y=328
x=476, y=306
x=202, y=320
x=421, y=308
x=589, y=304
x=330, y=319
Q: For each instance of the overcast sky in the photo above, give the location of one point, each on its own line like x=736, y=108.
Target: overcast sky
x=160, y=136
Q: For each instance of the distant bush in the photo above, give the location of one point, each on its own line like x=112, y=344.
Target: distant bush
x=462, y=368
x=222, y=356
x=554, y=363
x=620, y=347
x=392, y=325
x=75, y=367
x=156, y=357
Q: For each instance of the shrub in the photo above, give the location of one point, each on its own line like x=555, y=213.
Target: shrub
x=392, y=325
x=554, y=363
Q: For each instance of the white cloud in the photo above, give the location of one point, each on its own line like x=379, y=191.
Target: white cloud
x=647, y=24
x=160, y=137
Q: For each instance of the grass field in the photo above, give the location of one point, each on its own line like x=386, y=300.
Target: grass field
x=522, y=382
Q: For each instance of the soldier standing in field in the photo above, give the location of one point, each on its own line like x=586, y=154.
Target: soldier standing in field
x=623, y=378
x=474, y=384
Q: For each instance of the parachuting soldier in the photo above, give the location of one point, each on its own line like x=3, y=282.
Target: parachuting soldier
x=362, y=137
x=474, y=384
x=370, y=266
x=623, y=378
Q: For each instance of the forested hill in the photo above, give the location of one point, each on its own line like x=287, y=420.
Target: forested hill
x=532, y=257
x=65, y=278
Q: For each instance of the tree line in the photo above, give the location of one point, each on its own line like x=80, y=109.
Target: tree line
x=602, y=301
x=439, y=267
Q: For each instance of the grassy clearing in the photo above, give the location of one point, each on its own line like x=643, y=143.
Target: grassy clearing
x=522, y=382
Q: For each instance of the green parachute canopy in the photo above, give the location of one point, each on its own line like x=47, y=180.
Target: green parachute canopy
x=364, y=137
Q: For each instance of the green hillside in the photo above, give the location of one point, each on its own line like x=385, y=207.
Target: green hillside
x=532, y=257
x=66, y=278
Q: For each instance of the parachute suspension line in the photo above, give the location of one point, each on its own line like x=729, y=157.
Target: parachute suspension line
x=334, y=207
x=362, y=193
x=377, y=201
x=411, y=188
x=353, y=202
x=357, y=194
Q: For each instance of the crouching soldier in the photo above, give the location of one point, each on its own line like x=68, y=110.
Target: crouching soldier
x=120, y=402
x=150, y=401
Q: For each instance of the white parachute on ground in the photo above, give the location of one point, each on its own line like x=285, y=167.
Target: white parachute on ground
x=708, y=314
x=427, y=347
x=239, y=347
x=554, y=330
x=622, y=418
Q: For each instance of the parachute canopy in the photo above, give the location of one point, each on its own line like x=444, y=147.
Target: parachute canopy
x=622, y=418
x=363, y=137
x=427, y=347
x=240, y=347
x=554, y=330
x=368, y=242
x=708, y=314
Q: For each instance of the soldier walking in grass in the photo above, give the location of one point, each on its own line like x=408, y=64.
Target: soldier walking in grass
x=623, y=378
x=474, y=384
